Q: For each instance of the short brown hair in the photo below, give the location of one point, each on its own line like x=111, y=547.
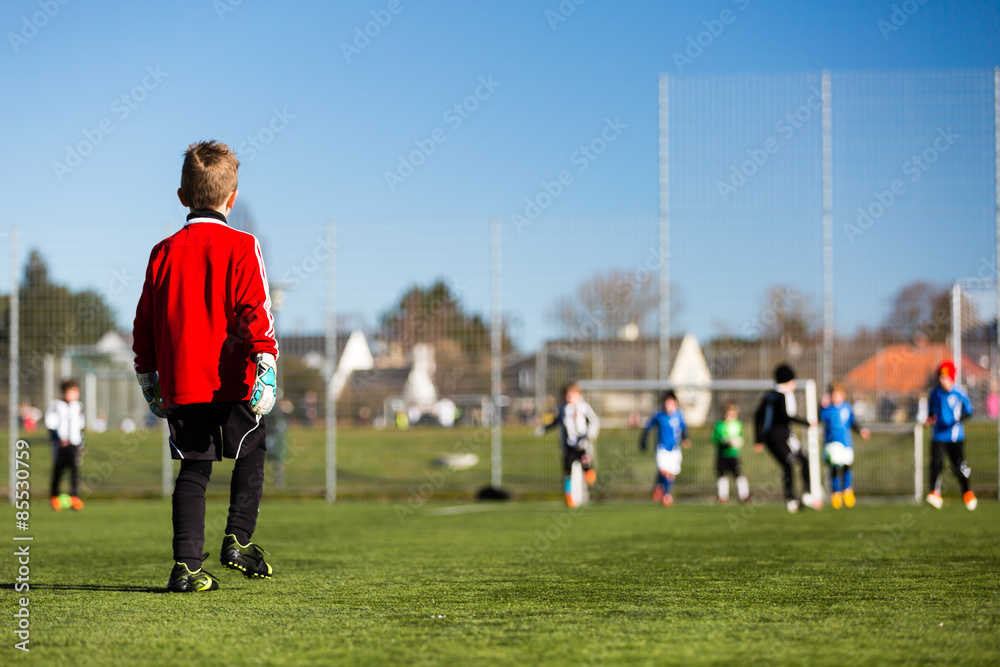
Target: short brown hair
x=838, y=387
x=568, y=387
x=209, y=174
x=69, y=384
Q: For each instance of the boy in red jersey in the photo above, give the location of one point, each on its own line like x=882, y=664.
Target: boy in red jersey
x=204, y=355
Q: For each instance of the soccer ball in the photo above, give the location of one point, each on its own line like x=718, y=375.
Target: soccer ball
x=65, y=501
x=838, y=454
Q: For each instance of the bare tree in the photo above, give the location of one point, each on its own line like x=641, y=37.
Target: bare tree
x=607, y=304
x=923, y=310
x=787, y=316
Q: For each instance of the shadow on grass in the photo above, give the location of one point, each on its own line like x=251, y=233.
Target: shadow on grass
x=89, y=587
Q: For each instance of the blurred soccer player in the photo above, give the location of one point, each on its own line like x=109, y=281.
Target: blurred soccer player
x=772, y=423
x=64, y=420
x=672, y=434
x=728, y=438
x=947, y=407
x=838, y=451
x=578, y=429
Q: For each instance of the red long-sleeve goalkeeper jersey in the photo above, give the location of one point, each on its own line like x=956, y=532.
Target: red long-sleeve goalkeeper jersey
x=204, y=313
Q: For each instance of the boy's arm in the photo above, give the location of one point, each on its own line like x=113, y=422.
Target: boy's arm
x=966, y=408
x=645, y=434
x=758, y=422
x=253, y=307
x=933, y=408
x=144, y=345
x=593, y=424
x=253, y=304
x=685, y=438
x=143, y=342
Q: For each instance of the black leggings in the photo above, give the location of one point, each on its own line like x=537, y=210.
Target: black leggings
x=785, y=457
x=956, y=454
x=66, y=457
x=245, y=490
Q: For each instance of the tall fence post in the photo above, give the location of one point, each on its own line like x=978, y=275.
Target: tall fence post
x=996, y=212
x=496, y=345
x=664, y=369
x=15, y=370
x=827, y=93
x=330, y=367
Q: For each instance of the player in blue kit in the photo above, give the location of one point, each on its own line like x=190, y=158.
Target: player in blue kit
x=838, y=422
x=672, y=434
x=947, y=408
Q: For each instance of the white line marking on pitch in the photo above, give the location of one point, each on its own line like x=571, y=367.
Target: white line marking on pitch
x=471, y=509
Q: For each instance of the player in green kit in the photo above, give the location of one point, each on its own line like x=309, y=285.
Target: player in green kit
x=728, y=439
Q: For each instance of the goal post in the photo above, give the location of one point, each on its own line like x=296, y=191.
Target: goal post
x=889, y=466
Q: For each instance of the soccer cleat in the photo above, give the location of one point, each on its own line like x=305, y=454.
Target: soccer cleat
x=56, y=503
x=183, y=580
x=569, y=500
x=76, y=503
x=837, y=500
x=934, y=499
x=668, y=500
x=970, y=500
x=246, y=558
x=812, y=502
x=792, y=505
x=849, y=498
x=658, y=493
x=591, y=476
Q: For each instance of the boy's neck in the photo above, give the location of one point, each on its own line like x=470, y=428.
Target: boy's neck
x=214, y=213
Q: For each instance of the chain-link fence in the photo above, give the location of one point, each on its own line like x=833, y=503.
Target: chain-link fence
x=393, y=322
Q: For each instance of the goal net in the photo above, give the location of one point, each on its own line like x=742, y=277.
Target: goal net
x=888, y=466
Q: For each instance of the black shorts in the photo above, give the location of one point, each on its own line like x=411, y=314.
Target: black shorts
x=728, y=464
x=571, y=454
x=210, y=431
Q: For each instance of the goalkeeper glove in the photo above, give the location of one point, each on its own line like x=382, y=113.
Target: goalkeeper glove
x=262, y=398
x=150, y=383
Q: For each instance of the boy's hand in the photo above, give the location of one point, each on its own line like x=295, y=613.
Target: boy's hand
x=686, y=443
x=262, y=398
x=758, y=447
x=865, y=434
x=150, y=383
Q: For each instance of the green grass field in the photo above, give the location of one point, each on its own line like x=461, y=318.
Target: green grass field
x=521, y=583
x=391, y=464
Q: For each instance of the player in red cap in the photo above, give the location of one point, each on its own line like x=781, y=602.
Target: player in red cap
x=947, y=408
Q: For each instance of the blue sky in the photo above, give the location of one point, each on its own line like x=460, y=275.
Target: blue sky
x=139, y=82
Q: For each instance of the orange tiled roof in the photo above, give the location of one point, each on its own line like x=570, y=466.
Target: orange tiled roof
x=906, y=369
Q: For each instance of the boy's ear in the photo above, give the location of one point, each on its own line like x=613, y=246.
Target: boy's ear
x=180, y=195
x=232, y=200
